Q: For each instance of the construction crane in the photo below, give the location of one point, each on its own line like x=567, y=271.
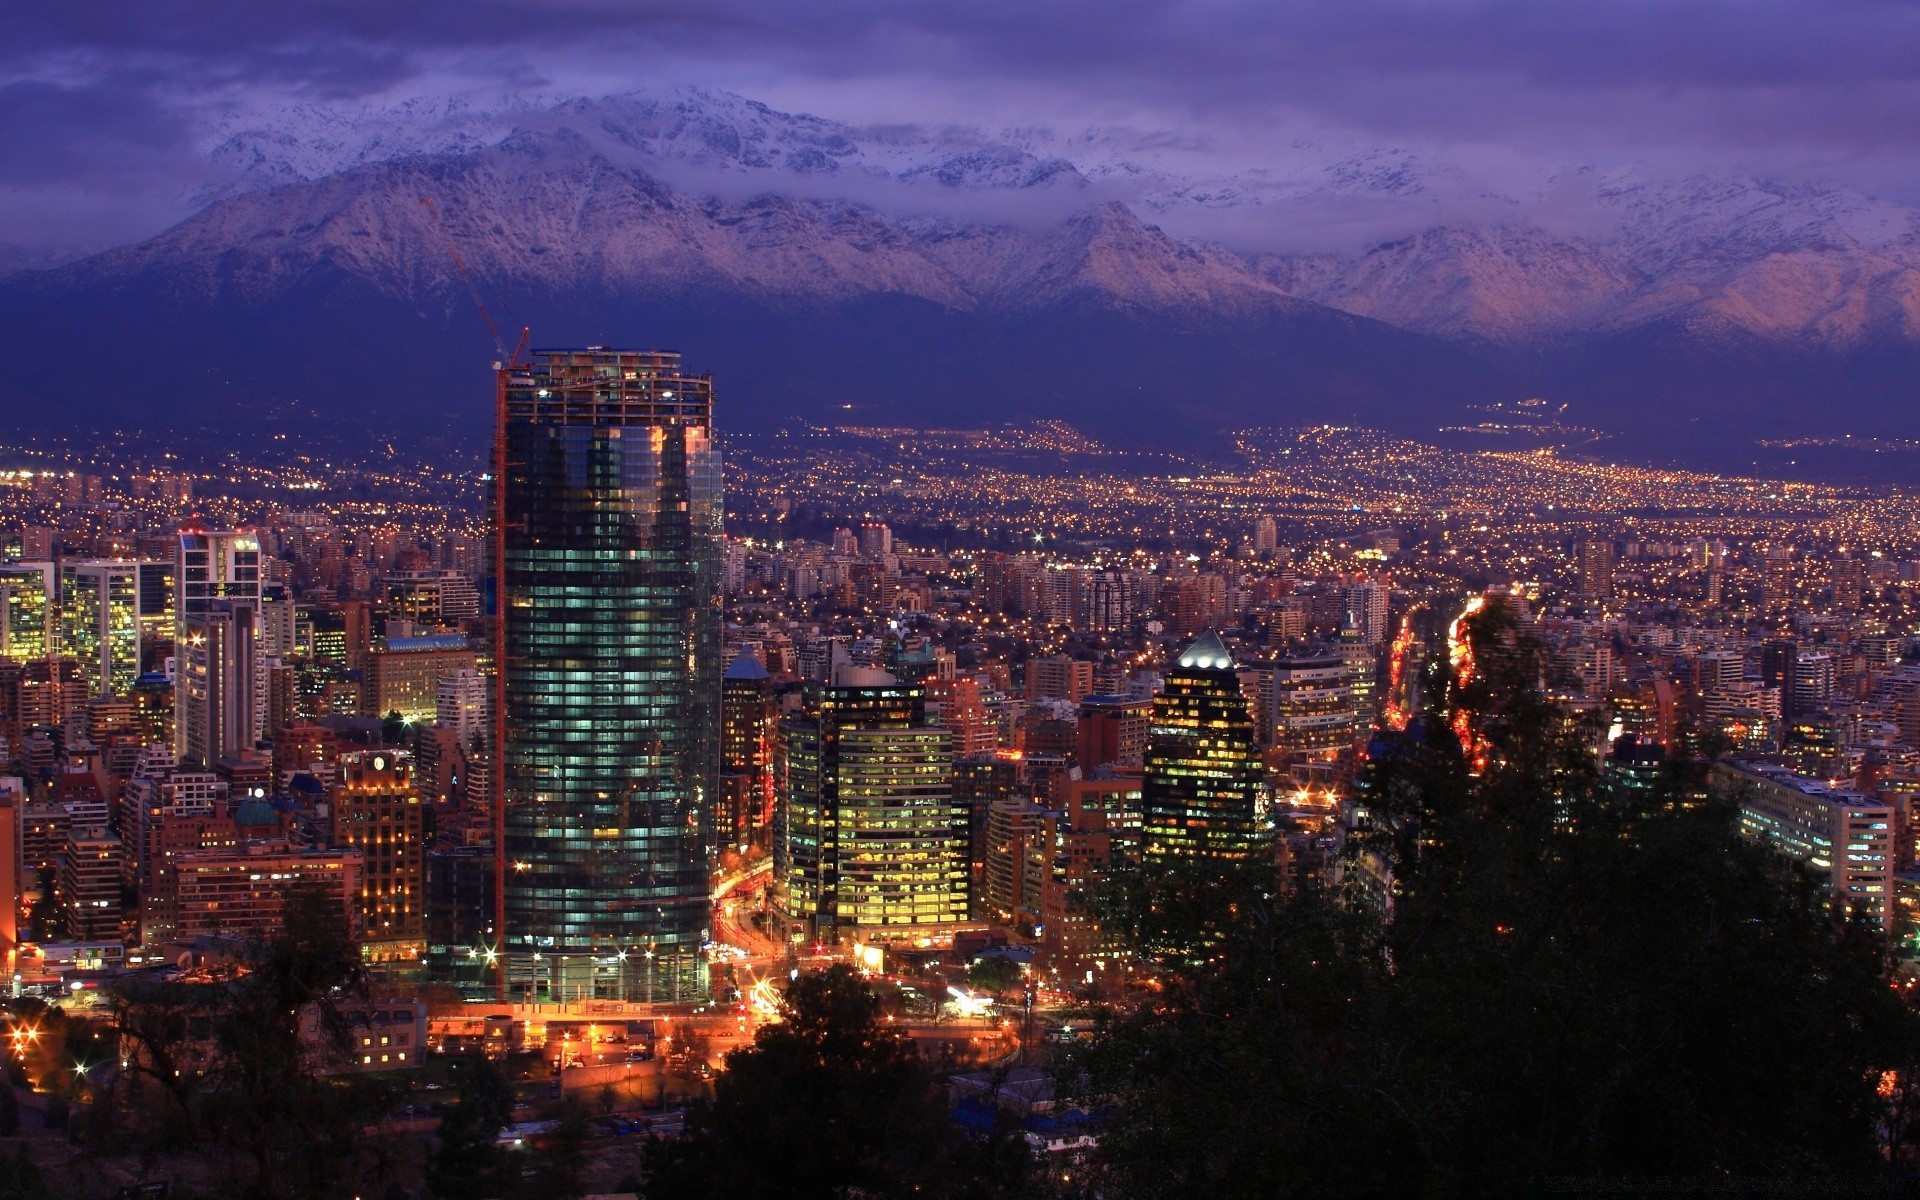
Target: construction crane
x=473, y=289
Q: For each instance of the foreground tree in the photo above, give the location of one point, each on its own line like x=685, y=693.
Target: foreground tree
x=829, y=1102
x=1579, y=987
x=468, y=1160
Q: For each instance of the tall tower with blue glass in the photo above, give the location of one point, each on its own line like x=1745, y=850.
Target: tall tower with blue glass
x=608, y=511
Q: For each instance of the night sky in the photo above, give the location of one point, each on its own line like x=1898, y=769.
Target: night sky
x=107, y=106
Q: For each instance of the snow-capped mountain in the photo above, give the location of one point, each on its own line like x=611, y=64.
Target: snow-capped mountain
x=1564, y=252
x=1094, y=276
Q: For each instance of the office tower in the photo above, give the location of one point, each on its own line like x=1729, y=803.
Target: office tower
x=1593, y=558
x=1364, y=607
x=28, y=603
x=403, y=675
x=1112, y=729
x=100, y=622
x=212, y=567
x=868, y=836
x=1845, y=839
x=1811, y=685
x=220, y=682
x=875, y=539
x=746, y=749
x=1110, y=602
x=377, y=810
x=1313, y=705
x=90, y=886
x=156, y=601
x=460, y=701
x=1266, y=535
x=432, y=598
x=1057, y=677
x=607, y=702
x=1201, y=793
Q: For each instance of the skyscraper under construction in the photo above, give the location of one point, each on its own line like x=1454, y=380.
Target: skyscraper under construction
x=608, y=517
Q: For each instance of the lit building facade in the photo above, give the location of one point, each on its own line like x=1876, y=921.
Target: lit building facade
x=1844, y=838
x=609, y=507
x=100, y=625
x=1200, y=797
x=377, y=810
x=868, y=835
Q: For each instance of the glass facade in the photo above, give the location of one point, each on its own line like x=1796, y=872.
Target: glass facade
x=611, y=506
x=867, y=832
x=100, y=623
x=27, y=628
x=1201, y=793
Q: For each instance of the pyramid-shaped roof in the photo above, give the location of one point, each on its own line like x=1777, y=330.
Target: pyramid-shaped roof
x=1206, y=653
x=746, y=666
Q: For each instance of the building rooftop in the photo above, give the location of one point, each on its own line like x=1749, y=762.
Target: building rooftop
x=746, y=666
x=1206, y=653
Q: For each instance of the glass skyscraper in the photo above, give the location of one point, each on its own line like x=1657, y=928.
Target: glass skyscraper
x=1200, y=797
x=609, y=514
x=868, y=837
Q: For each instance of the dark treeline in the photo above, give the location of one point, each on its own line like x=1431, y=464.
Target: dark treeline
x=1583, y=987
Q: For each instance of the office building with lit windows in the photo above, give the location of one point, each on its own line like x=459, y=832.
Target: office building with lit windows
x=100, y=626
x=609, y=510
x=216, y=710
x=869, y=839
x=1843, y=838
x=28, y=603
x=378, y=811
x=1200, y=797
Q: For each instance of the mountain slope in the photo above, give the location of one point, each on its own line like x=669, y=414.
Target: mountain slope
x=924, y=277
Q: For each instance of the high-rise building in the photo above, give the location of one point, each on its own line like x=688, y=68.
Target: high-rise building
x=28, y=603
x=100, y=623
x=1201, y=793
x=435, y=598
x=1364, y=608
x=746, y=749
x=214, y=565
x=220, y=694
x=377, y=810
x=1593, y=558
x=1266, y=535
x=210, y=569
x=876, y=539
x=1112, y=729
x=91, y=885
x=868, y=836
x=1313, y=705
x=608, y=512
x=1812, y=685
x=460, y=703
x=1845, y=839
x=1058, y=677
